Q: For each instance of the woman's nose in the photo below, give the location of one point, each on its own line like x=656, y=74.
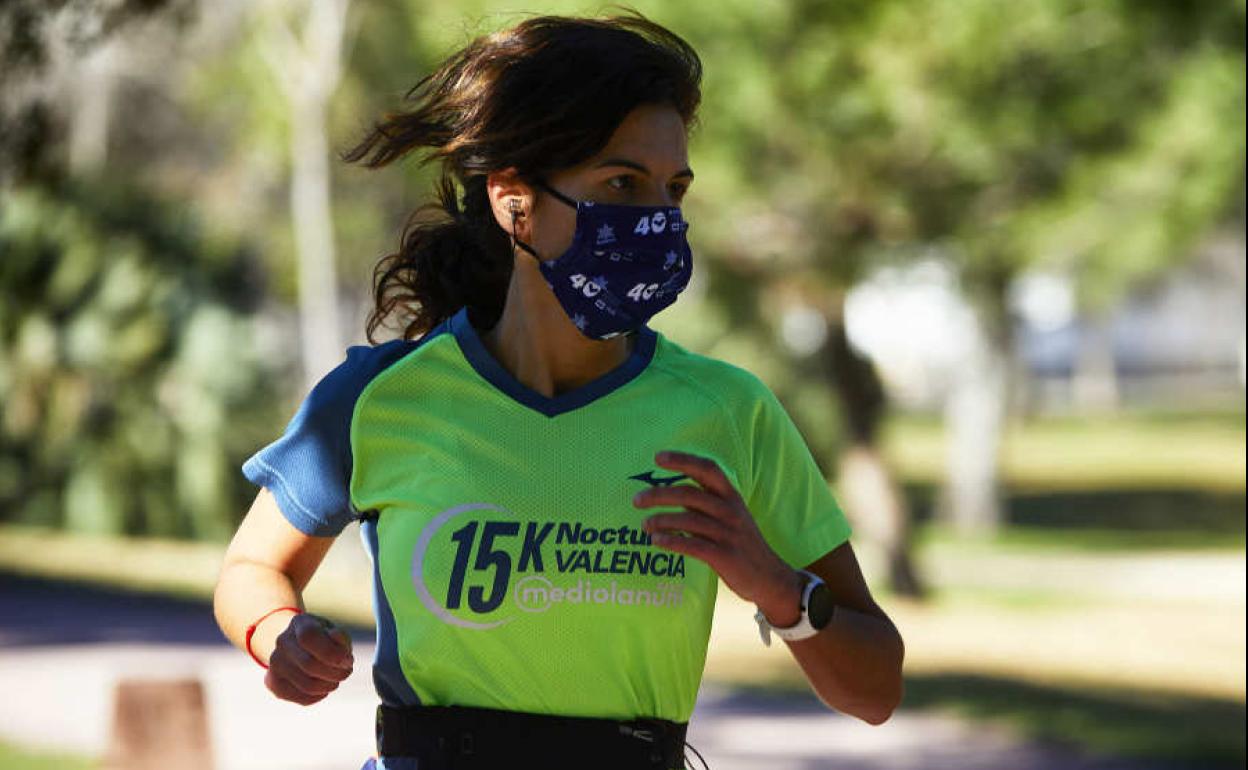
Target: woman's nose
x=658, y=195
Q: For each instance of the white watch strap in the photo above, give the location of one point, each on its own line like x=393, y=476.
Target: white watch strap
x=802, y=629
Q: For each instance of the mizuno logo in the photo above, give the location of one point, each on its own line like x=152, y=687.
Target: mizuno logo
x=653, y=481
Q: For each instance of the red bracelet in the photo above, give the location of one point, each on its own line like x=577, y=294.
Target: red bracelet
x=251, y=630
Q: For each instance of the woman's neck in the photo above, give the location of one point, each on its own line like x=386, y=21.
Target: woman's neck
x=537, y=343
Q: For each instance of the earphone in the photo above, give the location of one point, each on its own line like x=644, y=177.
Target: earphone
x=517, y=211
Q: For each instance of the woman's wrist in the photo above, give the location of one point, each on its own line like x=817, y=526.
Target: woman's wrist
x=261, y=635
x=783, y=605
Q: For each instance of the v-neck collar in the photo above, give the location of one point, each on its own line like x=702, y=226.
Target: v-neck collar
x=488, y=367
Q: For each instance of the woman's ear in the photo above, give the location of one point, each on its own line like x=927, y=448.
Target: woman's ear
x=511, y=201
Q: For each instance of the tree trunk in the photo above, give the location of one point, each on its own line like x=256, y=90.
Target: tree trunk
x=314, y=242
x=975, y=420
x=308, y=68
x=874, y=500
x=871, y=495
x=91, y=109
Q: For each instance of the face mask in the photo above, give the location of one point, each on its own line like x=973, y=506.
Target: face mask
x=625, y=264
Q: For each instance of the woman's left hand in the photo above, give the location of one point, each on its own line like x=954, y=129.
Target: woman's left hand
x=721, y=532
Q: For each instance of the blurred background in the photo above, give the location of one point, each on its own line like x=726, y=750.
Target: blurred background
x=990, y=256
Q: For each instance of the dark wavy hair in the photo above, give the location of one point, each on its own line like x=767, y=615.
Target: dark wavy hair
x=541, y=96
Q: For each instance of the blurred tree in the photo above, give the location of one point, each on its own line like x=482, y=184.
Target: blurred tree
x=39, y=39
x=1124, y=220
x=130, y=378
x=131, y=382
x=1119, y=119
x=843, y=134
x=306, y=65
x=272, y=176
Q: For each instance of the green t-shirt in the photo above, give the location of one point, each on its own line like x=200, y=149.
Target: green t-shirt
x=510, y=567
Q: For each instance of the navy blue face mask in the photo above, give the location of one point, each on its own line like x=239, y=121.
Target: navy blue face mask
x=625, y=264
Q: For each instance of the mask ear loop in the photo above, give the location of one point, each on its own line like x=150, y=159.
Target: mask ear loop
x=516, y=213
x=558, y=195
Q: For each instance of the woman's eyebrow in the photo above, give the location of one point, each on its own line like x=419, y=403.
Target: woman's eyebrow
x=684, y=172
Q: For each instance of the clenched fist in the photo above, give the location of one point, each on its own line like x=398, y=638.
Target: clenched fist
x=309, y=660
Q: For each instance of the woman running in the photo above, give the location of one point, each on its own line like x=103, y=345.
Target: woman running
x=550, y=490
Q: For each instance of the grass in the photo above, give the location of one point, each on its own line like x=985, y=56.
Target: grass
x=175, y=568
x=1184, y=731
x=1089, y=540
x=1105, y=520
x=1125, y=451
x=1115, y=721
x=14, y=758
x=168, y=567
x=1121, y=483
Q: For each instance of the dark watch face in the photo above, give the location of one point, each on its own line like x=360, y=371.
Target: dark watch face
x=821, y=606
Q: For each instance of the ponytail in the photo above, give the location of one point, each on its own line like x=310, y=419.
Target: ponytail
x=448, y=258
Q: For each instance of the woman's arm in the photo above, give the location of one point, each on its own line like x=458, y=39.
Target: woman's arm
x=854, y=664
x=267, y=565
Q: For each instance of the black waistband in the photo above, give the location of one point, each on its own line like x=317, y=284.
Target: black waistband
x=461, y=738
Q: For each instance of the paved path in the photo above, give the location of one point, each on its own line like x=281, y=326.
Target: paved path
x=63, y=648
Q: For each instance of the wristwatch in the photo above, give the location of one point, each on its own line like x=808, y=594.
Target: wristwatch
x=817, y=611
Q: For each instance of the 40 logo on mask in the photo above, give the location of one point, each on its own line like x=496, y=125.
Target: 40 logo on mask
x=592, y=287
x=656, y=223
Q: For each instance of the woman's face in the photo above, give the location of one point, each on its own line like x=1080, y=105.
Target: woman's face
x=645, y=163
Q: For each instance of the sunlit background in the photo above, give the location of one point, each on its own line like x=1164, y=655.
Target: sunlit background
x=990, y=255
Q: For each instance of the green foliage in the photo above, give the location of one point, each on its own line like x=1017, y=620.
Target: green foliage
x=1104, y=136
x=131, y=384
x=28, y=49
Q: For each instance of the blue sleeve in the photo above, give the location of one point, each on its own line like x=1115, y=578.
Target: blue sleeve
x=308, y=468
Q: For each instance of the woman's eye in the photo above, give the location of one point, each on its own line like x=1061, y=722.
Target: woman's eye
x=627, y=183
x=623, y=182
